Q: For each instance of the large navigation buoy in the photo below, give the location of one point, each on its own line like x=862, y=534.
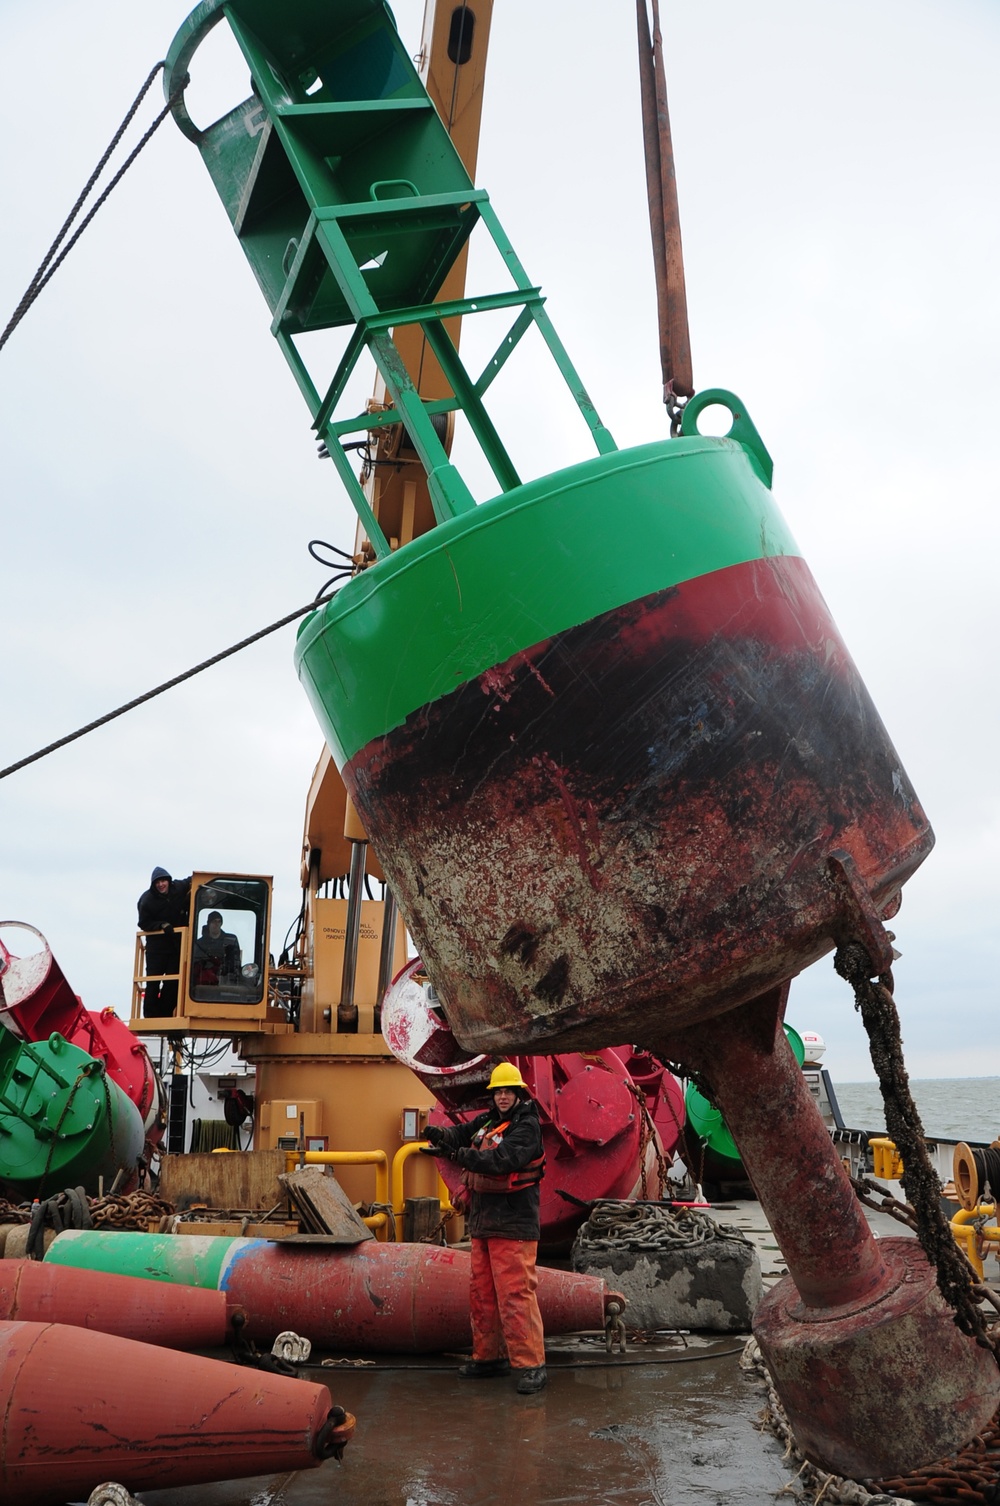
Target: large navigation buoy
x=625, y=781
x=611, y=749
x=37, y=999
x=616, y=761
x=62, y=1120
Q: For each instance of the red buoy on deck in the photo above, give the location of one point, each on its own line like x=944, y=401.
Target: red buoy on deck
x=80, y=1408
x=38, y=999
x=398, y=1298
x=177, y=1317
x=605, y=1134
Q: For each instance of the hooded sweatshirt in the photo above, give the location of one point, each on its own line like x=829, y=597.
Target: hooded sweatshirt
x=157, y=910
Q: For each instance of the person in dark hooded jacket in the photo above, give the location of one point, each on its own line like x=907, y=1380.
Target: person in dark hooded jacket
x=163, y=906
x=502, y=1162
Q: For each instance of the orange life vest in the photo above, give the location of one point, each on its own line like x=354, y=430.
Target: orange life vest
x=488, y=1138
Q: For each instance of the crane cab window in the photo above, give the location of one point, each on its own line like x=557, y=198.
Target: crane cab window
x=228, y=937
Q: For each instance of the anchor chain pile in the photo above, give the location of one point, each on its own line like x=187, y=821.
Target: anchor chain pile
x=615, y=1225
x=133, y=1210
x=73, y=1209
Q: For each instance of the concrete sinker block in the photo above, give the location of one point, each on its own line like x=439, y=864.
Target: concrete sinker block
x=715, y=1286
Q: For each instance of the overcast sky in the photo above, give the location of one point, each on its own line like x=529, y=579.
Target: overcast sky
x=837, y=167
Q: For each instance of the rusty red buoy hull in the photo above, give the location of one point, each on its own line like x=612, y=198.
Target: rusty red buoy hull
x=845, y=1373
x=176, y=1317
x=874, y=1374
x=80, y=1408
x=605, y=1134
x=397, y=1298
x=628, y=826
x=387, y=1297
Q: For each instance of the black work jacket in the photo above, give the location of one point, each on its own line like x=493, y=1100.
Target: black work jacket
x=501, y=1215
x=158, y=910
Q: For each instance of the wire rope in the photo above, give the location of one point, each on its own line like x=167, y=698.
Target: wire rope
x=140, y=700
x=48, y=266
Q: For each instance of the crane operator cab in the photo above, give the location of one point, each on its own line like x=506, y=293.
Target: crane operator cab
x=222, y=982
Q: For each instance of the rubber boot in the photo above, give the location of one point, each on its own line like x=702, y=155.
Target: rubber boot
x=484, y=1369
x=533, y=1379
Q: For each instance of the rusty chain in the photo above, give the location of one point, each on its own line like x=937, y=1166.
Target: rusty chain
x=83, y=1072
x=133, y=1210
x=618, y=1224
x=14, y=1213
x=436, y=1235
x=648, y=1136
x=874, y=1001
x=873, y=1196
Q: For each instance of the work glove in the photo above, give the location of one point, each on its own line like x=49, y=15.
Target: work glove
x=168, y=929
x=443, y=1152
x=433, y=1133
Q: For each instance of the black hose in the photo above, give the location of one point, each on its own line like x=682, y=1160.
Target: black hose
x=987, y=1164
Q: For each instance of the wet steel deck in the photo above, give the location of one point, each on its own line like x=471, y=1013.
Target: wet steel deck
x=667, y=1425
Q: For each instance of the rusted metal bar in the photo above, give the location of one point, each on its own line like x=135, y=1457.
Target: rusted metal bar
x=664, y=214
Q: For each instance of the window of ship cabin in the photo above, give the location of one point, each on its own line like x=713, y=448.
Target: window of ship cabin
x=228, y=941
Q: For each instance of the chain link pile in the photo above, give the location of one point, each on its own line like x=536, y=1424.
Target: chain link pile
x=134, y=1210
x=619, y=1225
x=973, y=1474
x=14, y=1213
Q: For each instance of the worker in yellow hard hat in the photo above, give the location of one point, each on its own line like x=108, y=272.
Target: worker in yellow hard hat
x=502, y=1163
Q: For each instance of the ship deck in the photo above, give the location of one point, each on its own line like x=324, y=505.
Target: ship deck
x=672, y=1422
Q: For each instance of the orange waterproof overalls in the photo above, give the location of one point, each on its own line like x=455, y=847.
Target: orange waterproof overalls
x=503, y=1305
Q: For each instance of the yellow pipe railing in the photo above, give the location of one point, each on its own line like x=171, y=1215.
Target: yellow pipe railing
x=970, y=1237
x=380, y=1161
x=399, y=1160
x=887, y=1163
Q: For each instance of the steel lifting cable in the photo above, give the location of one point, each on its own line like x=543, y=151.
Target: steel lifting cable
x=48, y=266
x=139, y=700
x=987, y=1164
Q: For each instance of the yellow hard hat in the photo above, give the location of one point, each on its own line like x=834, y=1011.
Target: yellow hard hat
x=506, y=1075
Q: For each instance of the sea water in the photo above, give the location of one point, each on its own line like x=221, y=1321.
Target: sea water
x=954, y=1108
